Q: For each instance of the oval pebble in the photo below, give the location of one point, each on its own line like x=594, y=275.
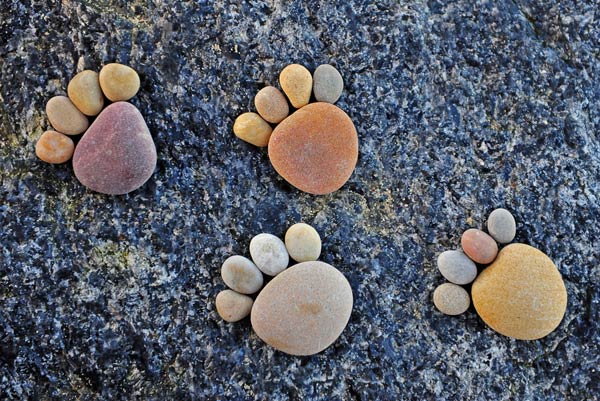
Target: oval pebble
x=65, y=117
x=328, y=84
x=119, y=82
x=271, y=104
x=85, y=92
x=451, y=299
x=54, y=147
x=296, y=82
x=241, y=275
x=250, y=127
x=269, y=254
x=232, y=306
x=456, y=267
x=502, y=226
x=303, y=310
x=479, y=246
x=303, y=242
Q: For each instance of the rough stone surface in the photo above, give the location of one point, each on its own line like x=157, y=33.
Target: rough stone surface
x=460, y=107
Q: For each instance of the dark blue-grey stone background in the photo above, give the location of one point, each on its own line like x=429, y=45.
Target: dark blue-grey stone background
x=460, y=107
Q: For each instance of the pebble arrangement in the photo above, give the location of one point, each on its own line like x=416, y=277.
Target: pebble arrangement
x=315, y=148
x=116, y=153
x=303, y=309
x=520, y=294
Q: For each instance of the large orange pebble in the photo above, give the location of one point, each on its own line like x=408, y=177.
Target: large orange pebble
x=479, y=246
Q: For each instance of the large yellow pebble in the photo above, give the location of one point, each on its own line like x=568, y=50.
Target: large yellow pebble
x=119, y=82
x=85, y=92
x=250, y=127
x=54, y=147
x=297, y=82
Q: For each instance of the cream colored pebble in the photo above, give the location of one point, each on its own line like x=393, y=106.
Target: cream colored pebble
x=232, y=306
x=451, y=299
x=303, y=243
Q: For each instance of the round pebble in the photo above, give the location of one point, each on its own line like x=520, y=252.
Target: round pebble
x=456, y=267
x=522, y=294
x=451, y=299
x=315, y=149
x=501, y=226
x=479, y=246
x=303, y=242
x=65, y=117
x=296, y=82
x=250, y=127
x=269, y=254
x=303, y=310
x=232, y=306
x=85, y=93
x=328, y=84
x=271, y=104
x=241, y=275
x=54, y=147
x=119, y=82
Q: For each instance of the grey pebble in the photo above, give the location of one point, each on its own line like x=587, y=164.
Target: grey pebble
x=451, y=299
x=456, y=267
x=501, y=226
x=327, y=84
x=241, y=275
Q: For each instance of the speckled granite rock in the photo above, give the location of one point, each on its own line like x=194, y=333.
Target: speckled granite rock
x=459, y=109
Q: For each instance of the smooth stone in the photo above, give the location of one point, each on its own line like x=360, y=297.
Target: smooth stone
x=479, y=246
x=117, y=154
x=85, y=93
x=296, y=81
x=65, y=117
x=269, y=254
x=522, y=294
x=251, y=127
x=303, y=243
x=456, y=267
x=502, y=226
x=232, y=306
x=451, y=299
x=271, y=104
x=119, y=82
x=327, y=84
x=54, y=147
x=315, y=149
x=303, y=310
x=241, y=275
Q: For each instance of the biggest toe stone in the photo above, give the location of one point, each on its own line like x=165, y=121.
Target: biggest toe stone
x=117, y=154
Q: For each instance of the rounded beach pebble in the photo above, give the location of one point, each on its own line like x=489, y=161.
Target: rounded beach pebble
x=315, y=149
x=328, y=84
x=233, y=307
x=479, y=246
x=85, y=93
x=119, y=82
x=303, y=242
x=271, y=104
x=522, y=294
x=241, y=275
x=269, y=254
x=451, y=299
x=501, y=226
x=296, y=82
x=250, y=127
x=303, y=310
x=117, y=154
x=65, y=117
x=54, y=147
x=456, y=267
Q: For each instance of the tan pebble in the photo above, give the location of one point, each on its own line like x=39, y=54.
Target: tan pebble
x=271, y=104
x=85, y=93
x=233, y=307
x=303, y=242
x=296, y=82
x=54, y=147
x=119, y=82
x=241, y=275
x=250, y=127
x=65, y=117
x=479, y=246
x=451, y=299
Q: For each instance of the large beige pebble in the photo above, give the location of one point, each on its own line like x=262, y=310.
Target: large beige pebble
x=502, y=226
x=303, y=242
x=65, y=117
x=250, y=127
x=241, y=275
x=296, y=82
x=303, y=310
x=479, y=246
x=119, y=82
x=271, y=104
x=269, y=254
x=451, y=299
x=232, y=306
x=85, y=92
x=54, y=147
x=328, y=84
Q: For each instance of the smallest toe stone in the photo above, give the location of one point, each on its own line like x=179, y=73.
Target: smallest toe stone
x=327, y=84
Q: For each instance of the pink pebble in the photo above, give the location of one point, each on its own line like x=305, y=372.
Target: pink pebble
x=479, y=246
